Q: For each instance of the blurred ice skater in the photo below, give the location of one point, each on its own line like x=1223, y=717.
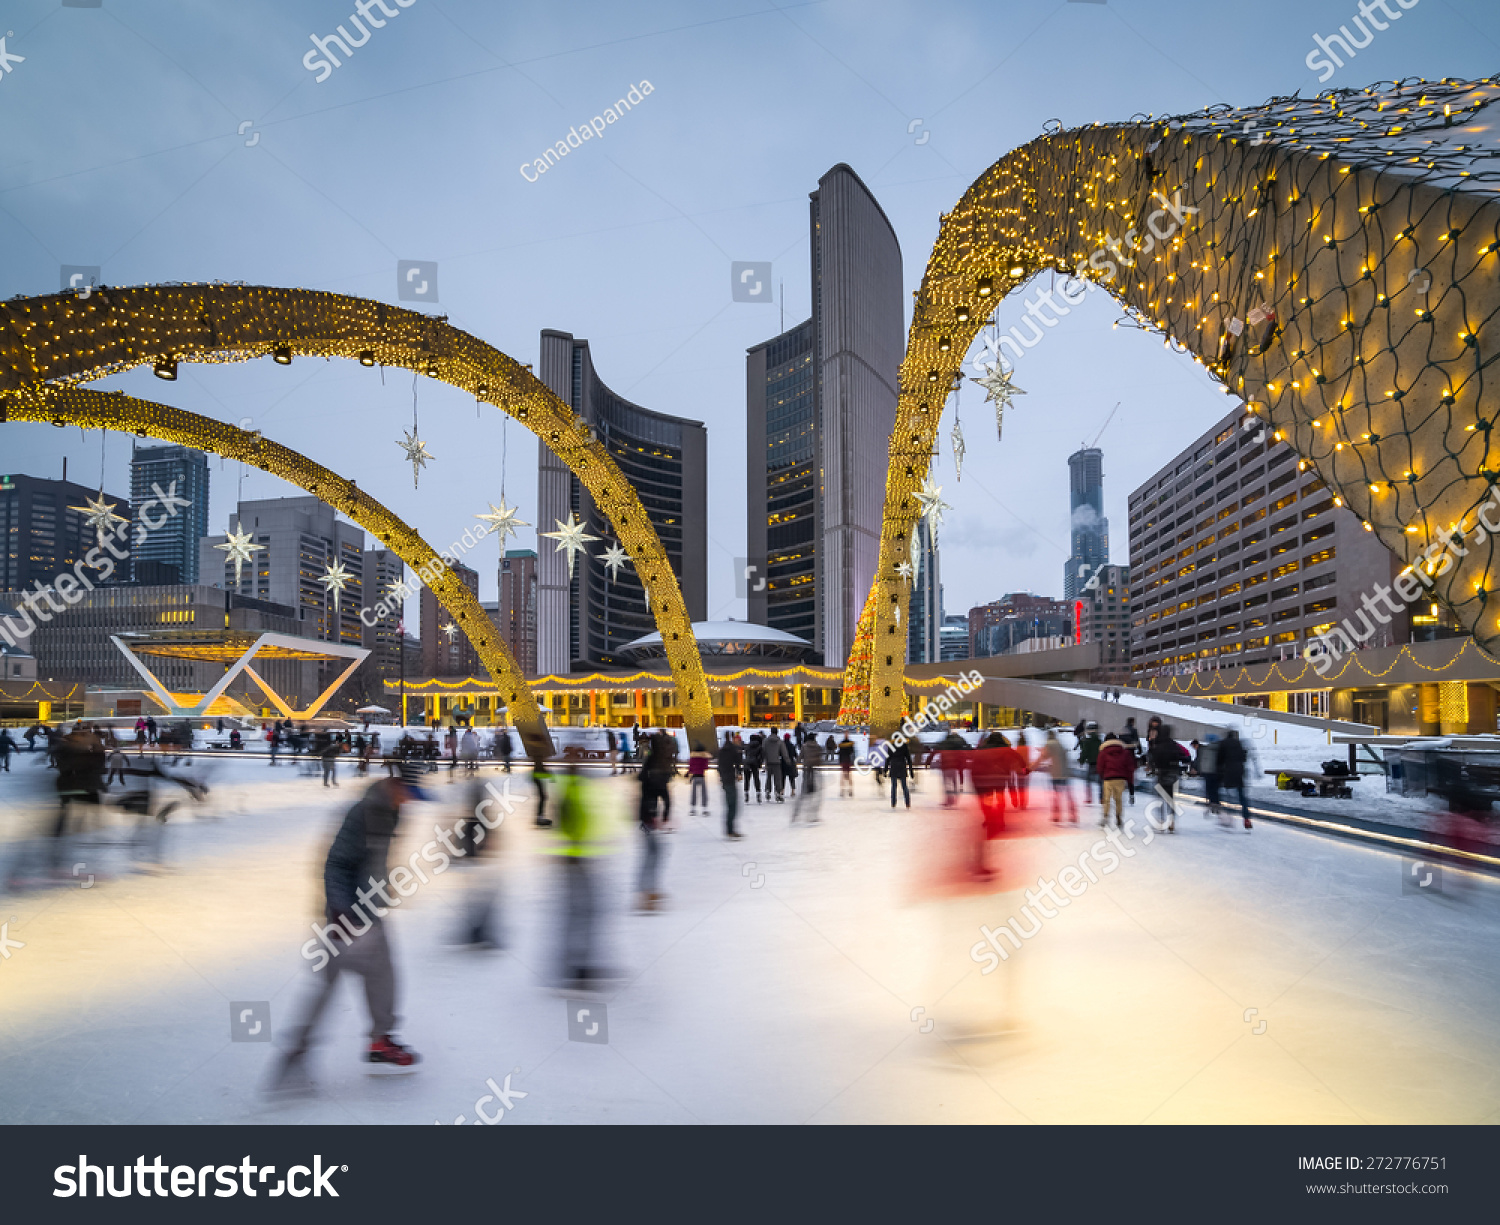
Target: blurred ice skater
x=731, y=758
x=354, y=872
x=806, y=806
x=579, y=841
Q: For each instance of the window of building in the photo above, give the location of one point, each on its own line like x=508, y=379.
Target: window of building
x=1317, y=533
x=1322, y=555
x=1284, y=593
x=1322, y=580
x=1287, y=614
x=1321, y=606
x=1286, y=568
x=1312, y=512
x=1256, y=601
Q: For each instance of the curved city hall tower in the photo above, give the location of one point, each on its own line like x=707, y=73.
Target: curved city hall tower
x=582, y=620
x=820, y=407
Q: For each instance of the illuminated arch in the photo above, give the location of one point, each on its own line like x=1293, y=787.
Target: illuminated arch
x=1367, y=220
x=66, y=339
x=101, y=410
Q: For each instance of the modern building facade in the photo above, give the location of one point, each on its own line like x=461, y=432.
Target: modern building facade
x=382, y=634
x=953, y=638
x=783, y=484
x=43, y=533
x=74, y=644
x=1103, y=616
x=820, y=405
x=1089, y=529
x=925, y=613
x=169, y=553
x=515, y=612
x=300, y=540
x=584, y=618
x=997, y=628
x=1238, y=552
x=446, y=653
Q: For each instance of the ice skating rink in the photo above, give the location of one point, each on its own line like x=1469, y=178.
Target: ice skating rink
x=820, y=973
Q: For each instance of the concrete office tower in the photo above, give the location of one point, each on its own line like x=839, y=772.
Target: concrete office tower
x=1090, y=529
x=300, y=538
x=925, y=614
x=1240, y=556
x=515, y=611
x=582, y=621
x=382, y=636
x=170, y=553
x=444, y=654
x=820, y=405
x=41, y=536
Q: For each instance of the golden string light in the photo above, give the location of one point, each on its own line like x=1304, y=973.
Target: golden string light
x=1332, y=261
x=57, y=342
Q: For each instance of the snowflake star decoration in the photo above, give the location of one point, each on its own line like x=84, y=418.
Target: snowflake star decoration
x=999, y=389
x=334, y=580
x=614, y=557
x=504, y=520
x=572, y=538
x=100, y=515
x=238, y=549
x=416, y=451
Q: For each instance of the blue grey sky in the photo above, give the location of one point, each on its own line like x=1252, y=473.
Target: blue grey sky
x=120, y=146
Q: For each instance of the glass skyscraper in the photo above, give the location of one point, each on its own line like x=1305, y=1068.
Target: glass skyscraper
x=820, y=406
x=169, y=553
x=583, y=620
x=1089, y=532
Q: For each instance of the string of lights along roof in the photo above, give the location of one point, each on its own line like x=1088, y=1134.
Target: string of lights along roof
x=1333, y=261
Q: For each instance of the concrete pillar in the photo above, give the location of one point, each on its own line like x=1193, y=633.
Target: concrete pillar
x=744, y=715
x=797, y=703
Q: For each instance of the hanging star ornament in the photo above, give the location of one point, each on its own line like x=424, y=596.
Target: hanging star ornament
x=503, y=519
x=238, y=548
x=614, y=557
x=451, y=630
x=905, y=570
x=570, y=537
x=416, y=451
x=100, y=515
x=399, y=587
x=998, y=388
x=958, y=449
x=334, y=580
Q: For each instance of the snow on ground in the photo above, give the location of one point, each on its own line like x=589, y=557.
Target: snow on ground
x=1248, y=721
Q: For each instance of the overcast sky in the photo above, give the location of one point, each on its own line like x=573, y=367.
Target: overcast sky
x=120, y=146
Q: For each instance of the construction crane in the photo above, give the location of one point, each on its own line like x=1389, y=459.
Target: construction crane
x=1102, y=428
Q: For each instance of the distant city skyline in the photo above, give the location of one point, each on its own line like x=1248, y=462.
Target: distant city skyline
x=630, y=242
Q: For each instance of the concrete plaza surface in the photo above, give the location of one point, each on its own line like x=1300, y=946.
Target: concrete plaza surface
x=802, y=974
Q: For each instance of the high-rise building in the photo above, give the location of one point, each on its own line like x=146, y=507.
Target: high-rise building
x=925, y=613
x=1104, y=617
x=446, y=650
x=1239, y=552
x=43, y=533
x=382, y=634
x=169, y=553
x=515, y=611
x=300, y=540
x=583, y=619
x=1089, y=532
x=820, y=406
